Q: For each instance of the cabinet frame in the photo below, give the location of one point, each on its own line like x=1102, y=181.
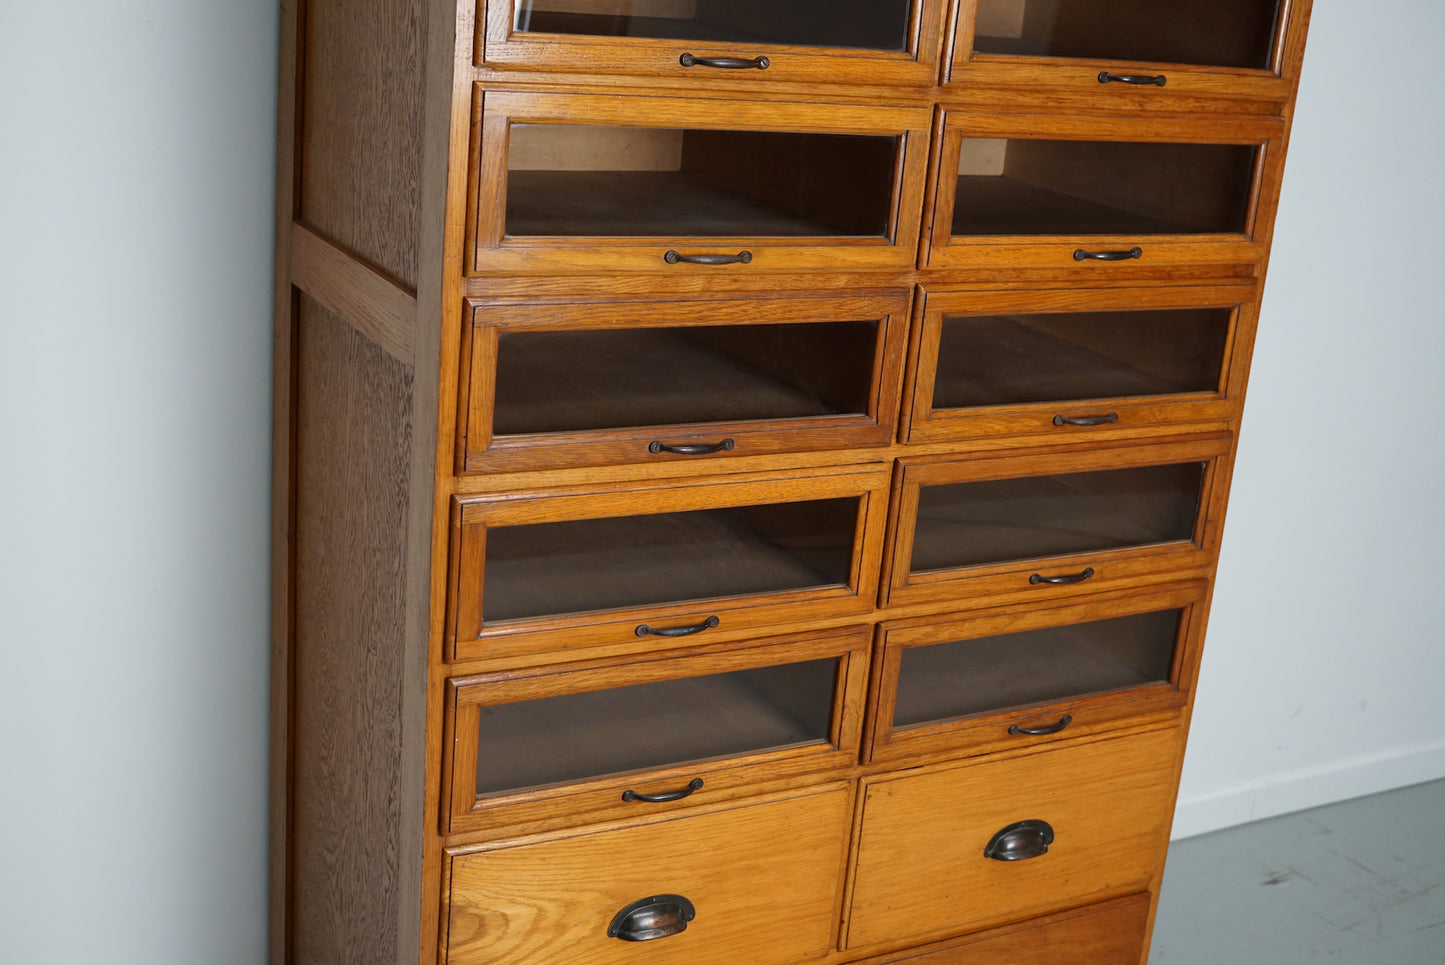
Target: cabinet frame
x=493, y=251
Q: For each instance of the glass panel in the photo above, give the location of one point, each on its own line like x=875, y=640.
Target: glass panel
x=1220, y=33
x=865, y=24
x=560, y=381
x=970, y=524
x=1055, y=663
x=596, y=564
x=1025, y=187
x=569, y=180
x=1015, y=359
x=587, y=735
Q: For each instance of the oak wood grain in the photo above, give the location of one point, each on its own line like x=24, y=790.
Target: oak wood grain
x=380, y=309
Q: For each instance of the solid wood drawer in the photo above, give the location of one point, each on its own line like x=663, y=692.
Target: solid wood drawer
x=1108, y=200
x=605, y=183
x=1108, y=934
x=581, y=572
x=1241, y=56
x=762, y=880
x=983, y=530
x=921, y=870
x=679, y=41
x=703, y=380
x=1096, y=364
x=553, y=746
x=1022, y=675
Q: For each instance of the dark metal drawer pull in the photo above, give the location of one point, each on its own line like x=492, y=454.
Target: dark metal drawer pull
x=664, y=798
x=741, y=258
x=726, y=63
x=646, y=631
x=1072, y=578
x=1138, y=80
x=691, y=450
x=652, y=918
x=1018, y=729
x=1020, y=841
x=1080, y=420
x=1082, y=255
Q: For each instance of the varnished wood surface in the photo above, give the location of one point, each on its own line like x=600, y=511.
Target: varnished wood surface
x=381, y=310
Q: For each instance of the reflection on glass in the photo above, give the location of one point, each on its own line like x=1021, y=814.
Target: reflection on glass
x=864, y=24
x=561, y=381
x=1016, y=359
x=1035, y=666
x=544, y=569
x=998, y=520
x=1220, y=33
x=1028, y=187
x=570, y=180
x=579, y=736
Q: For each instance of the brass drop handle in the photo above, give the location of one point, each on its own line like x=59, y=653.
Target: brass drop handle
x=1081, y=255
x=1019, y=729
x=1020, y=841
x=665, y=797
x=677, y=257
x=643, y=630
x=652, y=918
x=691, y=449
x=1068, y=580
x=726, y=63
x=1138, y=80
x=1107, y=419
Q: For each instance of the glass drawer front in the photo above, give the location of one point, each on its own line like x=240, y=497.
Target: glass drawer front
x=588, y=735
x=1223, y=33
x=881, y=25
x=567, y=381
x=576, y=566
x=578, y=181
x=976, y=676
x=990, y=360
x=1018, y=186
x=995, y=521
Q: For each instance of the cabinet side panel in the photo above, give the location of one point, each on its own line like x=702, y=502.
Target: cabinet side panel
x=363, y=119
x=348, y=883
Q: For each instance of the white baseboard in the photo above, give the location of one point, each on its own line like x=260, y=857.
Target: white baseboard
x=1308, y=788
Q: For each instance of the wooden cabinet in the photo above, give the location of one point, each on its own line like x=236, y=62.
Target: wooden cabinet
x=750, y=475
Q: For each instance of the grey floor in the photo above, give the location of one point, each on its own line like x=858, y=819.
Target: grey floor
x=1360, y=882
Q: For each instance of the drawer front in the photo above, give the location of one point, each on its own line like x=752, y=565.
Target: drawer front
x=685, y=42
x=566, y=574
x=1017, y=676
x=1102, y=810
x=559, y=746
x=598, y=183
x=608, y=383
x=761, y=881
x=1241, y=56
x=1108, y=934
x=1046, y=527
x=1099, y=365
x=1118, y=200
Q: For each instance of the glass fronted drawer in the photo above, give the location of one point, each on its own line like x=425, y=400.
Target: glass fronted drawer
x=1012, y=676
x=686, y=41
x=555, y=385
x=568, y=573
x=566, y=745
x=1131, y=55
x=1105, y=364
x=607, y=183
x=1125, y=198
x=1037, y=527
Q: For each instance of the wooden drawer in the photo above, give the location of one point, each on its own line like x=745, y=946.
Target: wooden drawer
x=566, y=574
x=565, y=745
x=1241, y=56
x=1021, y=675
x=605, y=383
x=680, y=41
x=1112, y=200
x=604, y=183
x=762, y=880
x=1100, y=364
x=1107, y=934
x=921, y=870
x=976, y=531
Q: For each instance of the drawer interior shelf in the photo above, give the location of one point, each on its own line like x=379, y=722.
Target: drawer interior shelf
x=594, y=734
